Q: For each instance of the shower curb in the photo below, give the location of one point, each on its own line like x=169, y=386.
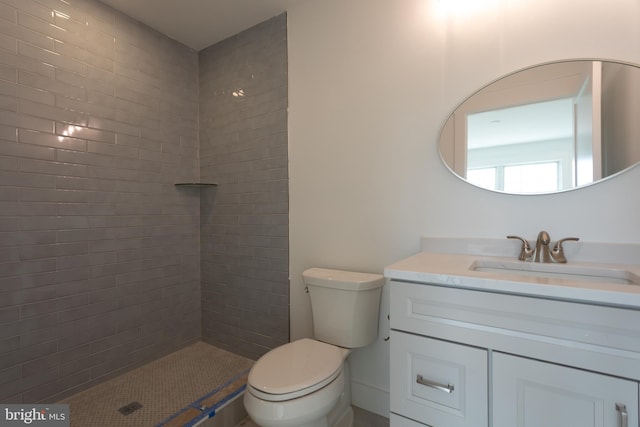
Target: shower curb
x=208, y=405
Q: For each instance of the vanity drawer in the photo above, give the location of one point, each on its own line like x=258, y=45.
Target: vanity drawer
x=437, y=382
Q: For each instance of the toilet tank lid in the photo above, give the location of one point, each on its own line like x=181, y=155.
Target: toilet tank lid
x=340, y=279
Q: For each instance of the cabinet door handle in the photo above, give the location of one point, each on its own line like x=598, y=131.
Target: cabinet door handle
x=447, y=388
x=622, y=410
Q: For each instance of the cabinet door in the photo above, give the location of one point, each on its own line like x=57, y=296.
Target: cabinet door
x=529, y=393
x=438, y=383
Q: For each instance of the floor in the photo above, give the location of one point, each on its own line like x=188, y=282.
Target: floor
x=165, y=390
x=200, y=385
x=361, y=418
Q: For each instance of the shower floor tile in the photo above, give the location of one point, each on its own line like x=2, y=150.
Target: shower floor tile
x=165, y=389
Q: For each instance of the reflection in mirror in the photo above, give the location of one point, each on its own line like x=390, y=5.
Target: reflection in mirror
x=547, y=128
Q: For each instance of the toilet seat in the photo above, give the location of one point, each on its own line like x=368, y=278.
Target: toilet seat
x=294, y=370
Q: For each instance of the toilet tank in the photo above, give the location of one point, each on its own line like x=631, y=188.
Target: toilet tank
x=345, y=306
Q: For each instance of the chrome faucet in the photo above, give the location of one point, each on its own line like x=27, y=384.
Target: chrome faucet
x=543, y=253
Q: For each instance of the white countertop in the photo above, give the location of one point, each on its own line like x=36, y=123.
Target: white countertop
x=456, y=270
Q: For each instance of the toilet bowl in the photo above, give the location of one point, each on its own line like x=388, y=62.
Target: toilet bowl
x=298, y=385
x=306, y=383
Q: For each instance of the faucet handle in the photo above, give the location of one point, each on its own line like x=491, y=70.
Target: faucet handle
x=557, y=253
x=525, y=250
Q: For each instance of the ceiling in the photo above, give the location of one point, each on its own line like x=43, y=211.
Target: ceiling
x=200, y=23
x=535, y=122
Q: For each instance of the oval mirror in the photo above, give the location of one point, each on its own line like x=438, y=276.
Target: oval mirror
x=547, y=128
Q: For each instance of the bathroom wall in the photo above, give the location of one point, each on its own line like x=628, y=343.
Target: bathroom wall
x=370, y=84
x=99, y=252
x=243, y=148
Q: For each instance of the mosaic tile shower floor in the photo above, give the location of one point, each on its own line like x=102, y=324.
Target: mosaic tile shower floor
x=199, y=375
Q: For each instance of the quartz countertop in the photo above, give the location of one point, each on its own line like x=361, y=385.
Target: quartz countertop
x=457, y=270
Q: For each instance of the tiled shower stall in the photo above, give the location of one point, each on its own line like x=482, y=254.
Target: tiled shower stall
x=104, y=264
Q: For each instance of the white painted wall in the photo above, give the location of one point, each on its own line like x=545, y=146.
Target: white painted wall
x=371, y=82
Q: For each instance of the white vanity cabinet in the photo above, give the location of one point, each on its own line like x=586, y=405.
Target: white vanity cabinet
x=533, y=393
x=469, y=357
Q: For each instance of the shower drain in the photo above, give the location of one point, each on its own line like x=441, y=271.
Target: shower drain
x=130, y=408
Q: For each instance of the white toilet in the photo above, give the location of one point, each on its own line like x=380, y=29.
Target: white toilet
x=306, y=383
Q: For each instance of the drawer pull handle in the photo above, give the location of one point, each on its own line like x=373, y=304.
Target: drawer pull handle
x=447, y=388
x=622, y=409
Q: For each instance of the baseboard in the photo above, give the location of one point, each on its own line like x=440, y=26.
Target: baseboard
x=370, y=398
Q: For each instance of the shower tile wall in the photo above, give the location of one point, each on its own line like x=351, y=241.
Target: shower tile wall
x=99, y=252
x=243, y=147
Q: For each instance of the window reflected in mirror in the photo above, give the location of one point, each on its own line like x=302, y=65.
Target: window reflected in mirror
x=529, y=148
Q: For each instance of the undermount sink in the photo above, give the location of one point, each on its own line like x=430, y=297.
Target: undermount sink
x=562, y=271
x=597, y=273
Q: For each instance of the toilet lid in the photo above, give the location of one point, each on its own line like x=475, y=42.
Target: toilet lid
x=295, y=369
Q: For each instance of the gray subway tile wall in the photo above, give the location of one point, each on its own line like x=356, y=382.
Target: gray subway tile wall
x=99, y=252
x=243, y=147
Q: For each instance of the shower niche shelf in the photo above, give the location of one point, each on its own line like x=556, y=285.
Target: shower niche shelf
x=196, y=185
